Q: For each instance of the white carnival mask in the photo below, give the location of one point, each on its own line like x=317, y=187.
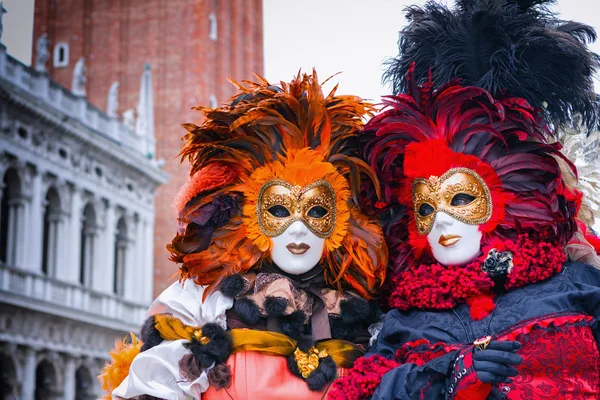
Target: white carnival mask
x=453, y=242
x=297, y=250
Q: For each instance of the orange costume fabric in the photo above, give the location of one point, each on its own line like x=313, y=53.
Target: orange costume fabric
x=256, y=375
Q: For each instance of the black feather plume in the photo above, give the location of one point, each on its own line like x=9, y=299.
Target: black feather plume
x=508, y=47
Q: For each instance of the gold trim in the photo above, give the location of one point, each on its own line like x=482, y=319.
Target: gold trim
x=296, y=191
x=425, y=224
x=483, y=342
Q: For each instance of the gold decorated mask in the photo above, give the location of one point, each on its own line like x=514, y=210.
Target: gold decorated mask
x=280, y=204
x=460, y=193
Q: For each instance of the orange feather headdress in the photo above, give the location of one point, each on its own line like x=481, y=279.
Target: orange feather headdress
x=291, y=132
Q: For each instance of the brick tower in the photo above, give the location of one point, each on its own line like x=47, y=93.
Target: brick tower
x=191, y=47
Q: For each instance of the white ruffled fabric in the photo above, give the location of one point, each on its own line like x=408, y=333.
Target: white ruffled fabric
x=374, y=330
x=155, y=372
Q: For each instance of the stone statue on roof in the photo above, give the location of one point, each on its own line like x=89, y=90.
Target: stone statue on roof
x=42, y=54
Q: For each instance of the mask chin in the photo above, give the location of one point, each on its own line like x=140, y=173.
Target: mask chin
x=297, y=250
x=453, y=242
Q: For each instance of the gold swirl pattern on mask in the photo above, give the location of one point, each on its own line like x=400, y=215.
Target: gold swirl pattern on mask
x=438, y=192
x=298, y=201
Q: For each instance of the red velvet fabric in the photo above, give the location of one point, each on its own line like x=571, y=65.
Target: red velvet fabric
x=558, y=364
x=561, y=359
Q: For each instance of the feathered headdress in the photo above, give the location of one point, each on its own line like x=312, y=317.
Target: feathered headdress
x=515, y=48
x=426, y=132
x=291, y=132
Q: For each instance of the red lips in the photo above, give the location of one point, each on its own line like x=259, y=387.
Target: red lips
x=449, y=239
x=297, y=248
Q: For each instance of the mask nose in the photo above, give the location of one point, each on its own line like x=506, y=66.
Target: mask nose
x=297, y=230
x=442, y=220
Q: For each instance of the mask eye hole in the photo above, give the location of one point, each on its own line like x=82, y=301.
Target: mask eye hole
x=317, y=212
x=426, y=210
x=279, y=212
x=462, y=199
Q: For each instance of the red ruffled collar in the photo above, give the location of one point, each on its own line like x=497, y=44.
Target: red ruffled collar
x=434, y=286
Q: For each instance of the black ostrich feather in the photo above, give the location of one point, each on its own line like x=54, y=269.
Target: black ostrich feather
x=508, y=47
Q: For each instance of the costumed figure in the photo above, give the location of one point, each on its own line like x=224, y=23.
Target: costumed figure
x=490, y=298
x=277, y=262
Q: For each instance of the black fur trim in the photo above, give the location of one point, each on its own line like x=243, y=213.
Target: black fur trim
x=375, y=314
x=149, y=334
x=247, y=310
x=216, y=351
x=355, y=309
x=305, y=342
x=293, y=324
x=275, y=306
x=232, y=286
x=343, y=330
x=325, y=373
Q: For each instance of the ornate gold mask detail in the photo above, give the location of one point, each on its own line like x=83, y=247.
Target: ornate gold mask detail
x=280, y=204
x=460, y=193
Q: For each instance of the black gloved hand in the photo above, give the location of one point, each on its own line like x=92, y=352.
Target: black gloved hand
x=494, y=364
x=491, y=365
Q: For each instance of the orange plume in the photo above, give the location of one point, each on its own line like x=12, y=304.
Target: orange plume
x=115, y=371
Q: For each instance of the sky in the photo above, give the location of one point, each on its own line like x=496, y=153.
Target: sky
x=350, y=37
x=355, y=37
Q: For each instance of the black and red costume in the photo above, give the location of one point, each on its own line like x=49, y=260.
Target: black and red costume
x=481, y=89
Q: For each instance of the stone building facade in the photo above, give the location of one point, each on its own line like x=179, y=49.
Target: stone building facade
x=191, y=46
x=77, y=203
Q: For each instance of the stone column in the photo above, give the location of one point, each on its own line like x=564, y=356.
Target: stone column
x=149, y=238
x=132, y=273
x=16, y=237
x=20, y=246
x=143, y=261
x=90, y=235
x=36, y=224
x=28, y=388
x=73, y=237
x=12, y=231
x=139, y=260
x=106, y=243
x=69, y=381
x=53, y=221
x=64, y=244
x=63, y=253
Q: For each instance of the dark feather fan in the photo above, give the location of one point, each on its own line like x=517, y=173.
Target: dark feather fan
x=517, y=48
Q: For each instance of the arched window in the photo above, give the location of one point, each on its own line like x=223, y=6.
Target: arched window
x=11, y=211
x=45, y=381
x=120, y=257
x=51, y=232
x=8, y=377
x=60, y=57
x=83, y=384
x=86, y=255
